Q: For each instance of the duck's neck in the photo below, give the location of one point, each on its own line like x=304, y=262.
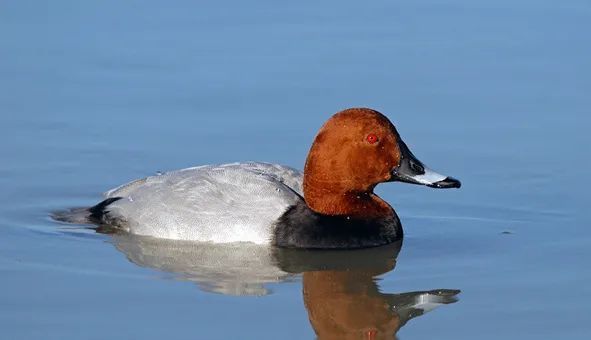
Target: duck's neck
x=334, y=200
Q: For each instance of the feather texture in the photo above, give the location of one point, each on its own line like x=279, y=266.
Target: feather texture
x=236, y=202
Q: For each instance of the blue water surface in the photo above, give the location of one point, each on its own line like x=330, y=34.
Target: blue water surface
x=495, y=93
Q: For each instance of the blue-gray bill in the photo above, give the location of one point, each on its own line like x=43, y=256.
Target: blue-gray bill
x=411, y=170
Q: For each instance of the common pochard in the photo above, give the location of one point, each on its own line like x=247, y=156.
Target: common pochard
x=330, y=205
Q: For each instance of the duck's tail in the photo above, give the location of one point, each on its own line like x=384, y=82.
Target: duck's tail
x=92, y=215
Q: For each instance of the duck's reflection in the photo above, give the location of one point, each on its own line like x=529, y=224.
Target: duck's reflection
x=339, y=287
x=348, y=305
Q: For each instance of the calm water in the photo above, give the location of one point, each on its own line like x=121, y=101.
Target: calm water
x=495, y=93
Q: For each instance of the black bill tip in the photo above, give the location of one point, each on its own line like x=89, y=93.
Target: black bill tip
x=448, y=182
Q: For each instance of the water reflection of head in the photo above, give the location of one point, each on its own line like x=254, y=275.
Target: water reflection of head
x=343, y=299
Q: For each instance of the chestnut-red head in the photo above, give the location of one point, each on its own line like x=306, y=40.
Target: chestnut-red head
x=354, y=151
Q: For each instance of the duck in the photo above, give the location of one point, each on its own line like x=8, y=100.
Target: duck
x=330, y=205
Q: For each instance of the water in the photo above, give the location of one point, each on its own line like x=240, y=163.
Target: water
x=494, y=93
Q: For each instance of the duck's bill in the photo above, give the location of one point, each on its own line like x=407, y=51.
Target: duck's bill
x=411, y=170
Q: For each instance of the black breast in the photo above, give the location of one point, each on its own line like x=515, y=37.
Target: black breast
x=300, y=227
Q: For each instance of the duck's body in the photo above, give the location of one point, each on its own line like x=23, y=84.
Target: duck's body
x=253, y=202
x=330, y=205
x=236, y=202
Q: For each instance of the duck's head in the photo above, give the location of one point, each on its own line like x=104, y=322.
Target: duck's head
x=355, y=150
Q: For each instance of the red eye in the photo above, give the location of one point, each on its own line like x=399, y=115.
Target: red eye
x=371, y=138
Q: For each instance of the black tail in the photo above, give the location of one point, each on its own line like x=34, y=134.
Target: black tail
x=93, y=215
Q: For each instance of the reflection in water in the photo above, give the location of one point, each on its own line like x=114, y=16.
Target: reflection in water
x=343, y=305
x=339, y=287
x=232, y=269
